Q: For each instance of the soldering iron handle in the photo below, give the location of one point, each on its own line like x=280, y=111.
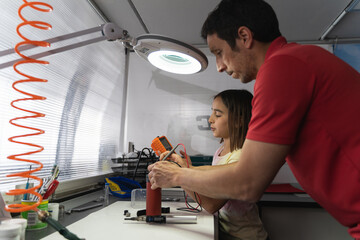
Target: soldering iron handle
x=61, y=229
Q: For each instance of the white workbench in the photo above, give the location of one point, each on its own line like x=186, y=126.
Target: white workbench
x=108, y=223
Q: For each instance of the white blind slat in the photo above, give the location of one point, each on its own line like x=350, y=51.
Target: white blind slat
x=83, y=92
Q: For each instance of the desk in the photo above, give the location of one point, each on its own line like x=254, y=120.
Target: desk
x=300, y=200
x=109, y=223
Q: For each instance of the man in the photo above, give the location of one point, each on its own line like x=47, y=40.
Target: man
x=306, y=110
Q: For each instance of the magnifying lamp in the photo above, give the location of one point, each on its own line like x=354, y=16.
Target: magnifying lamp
x=170, y=55
x=163, y=52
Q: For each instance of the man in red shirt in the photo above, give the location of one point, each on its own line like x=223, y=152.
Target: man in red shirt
x=306, y=110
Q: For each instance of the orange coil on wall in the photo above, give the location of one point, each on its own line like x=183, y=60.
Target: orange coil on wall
x=43, y=7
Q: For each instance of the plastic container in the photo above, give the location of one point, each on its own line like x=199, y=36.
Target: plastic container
x=121, y=187
x=138, y=198
x=33, y=222
x=53, y=209
x=106, y=194
x=19, y=221
x=10, y=231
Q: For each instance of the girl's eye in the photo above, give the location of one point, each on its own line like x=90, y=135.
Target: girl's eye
x=217, y=115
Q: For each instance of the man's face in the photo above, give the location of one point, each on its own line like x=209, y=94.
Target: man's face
x=238, y=62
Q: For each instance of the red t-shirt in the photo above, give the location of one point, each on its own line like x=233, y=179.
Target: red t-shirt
x=307, y=97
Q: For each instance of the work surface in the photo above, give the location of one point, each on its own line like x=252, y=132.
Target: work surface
x=109, y=223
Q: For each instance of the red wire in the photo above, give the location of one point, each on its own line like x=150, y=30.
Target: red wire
x=26, y=60
x=197, y=195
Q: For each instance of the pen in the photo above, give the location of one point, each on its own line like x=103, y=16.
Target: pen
x=57, y=172
x=27, y=187
x=43, y=188
x=54, y=171
x=49, y=184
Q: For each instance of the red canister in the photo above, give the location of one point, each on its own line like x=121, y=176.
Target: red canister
x=153, y=200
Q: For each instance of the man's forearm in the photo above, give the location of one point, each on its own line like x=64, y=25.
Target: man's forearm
x=208, y=167
x=207, y=182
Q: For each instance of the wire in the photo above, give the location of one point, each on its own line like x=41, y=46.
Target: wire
x=26, y=60
x=139, y=157
x=186, y=156
x=190, y=208
x=174, y=162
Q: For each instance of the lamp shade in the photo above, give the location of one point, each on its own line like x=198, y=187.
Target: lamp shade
x=170, y=55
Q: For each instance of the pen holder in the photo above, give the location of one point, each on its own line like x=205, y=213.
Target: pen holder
x=33, y=223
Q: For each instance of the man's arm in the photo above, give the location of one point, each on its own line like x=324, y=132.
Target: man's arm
x=245, y=180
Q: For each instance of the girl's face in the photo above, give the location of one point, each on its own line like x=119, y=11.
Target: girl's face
x=219, y=119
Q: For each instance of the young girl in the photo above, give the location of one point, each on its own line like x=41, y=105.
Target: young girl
x=231, y=113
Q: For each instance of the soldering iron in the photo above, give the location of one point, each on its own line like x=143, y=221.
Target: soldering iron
x=44, y=216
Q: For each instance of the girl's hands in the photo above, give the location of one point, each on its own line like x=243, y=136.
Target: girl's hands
x=186, y=158
x=177, y=158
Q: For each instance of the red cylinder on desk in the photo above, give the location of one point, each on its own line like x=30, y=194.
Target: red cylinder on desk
x=153, y=200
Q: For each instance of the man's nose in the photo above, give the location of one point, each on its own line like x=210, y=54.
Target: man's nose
x=220, y=66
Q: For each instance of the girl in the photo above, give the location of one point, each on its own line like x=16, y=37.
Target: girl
x=231, y=113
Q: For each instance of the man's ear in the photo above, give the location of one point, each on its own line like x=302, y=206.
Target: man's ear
x=246, y=36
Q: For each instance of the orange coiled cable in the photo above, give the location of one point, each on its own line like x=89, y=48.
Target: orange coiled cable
x=26, y=60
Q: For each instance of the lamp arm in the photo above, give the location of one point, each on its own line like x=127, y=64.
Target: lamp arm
x=110, y=32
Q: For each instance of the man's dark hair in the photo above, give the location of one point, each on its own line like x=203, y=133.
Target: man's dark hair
x=229, y=15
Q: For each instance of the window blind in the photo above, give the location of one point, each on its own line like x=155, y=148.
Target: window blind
x=84, y=95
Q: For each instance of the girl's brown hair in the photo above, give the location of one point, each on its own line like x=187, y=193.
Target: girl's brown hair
x=238, y=103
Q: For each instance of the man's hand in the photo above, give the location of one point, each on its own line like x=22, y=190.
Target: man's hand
x=163, y=174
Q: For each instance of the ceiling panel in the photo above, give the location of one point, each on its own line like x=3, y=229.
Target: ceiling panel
x=181, y=20
x=304, y=20
x=307, y=20
x=121, y=13
x=348, y=27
